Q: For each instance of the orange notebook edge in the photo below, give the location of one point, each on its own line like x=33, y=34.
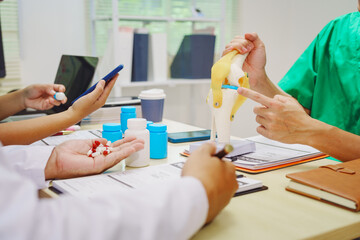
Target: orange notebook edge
x=252, y=171
x=247, y=170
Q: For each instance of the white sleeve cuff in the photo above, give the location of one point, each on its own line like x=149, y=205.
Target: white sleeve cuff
x=198, y=196
x=29, y=161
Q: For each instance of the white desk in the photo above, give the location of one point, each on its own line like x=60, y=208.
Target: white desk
x=274, y=213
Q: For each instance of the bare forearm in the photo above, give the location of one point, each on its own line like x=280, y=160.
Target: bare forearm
x=266, y=87
x=11, y=103
x=29, y=131
x=333, y=141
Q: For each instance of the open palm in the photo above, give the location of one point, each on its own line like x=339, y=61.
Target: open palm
x=70, y=159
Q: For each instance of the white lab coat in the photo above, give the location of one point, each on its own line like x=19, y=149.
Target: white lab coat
x=175, y=210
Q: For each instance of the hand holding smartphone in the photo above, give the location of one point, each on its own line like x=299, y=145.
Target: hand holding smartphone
x=107, y=78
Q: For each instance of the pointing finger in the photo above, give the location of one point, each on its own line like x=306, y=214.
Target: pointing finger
x=255, y=96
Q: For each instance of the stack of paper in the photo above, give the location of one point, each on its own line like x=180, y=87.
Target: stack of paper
x=271, y=154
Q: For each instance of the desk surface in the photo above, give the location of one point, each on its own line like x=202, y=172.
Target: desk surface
x=274, y=213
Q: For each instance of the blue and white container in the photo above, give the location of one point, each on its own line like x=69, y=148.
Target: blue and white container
x=126, y=113
x=158, y=141
x=112, y=132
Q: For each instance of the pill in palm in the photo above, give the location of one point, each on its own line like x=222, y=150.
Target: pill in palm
x=99, y=149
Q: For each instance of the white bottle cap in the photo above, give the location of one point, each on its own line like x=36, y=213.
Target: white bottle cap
x=136, y=123
x=59, y=96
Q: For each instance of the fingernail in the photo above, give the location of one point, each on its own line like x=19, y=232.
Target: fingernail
x=244, y=49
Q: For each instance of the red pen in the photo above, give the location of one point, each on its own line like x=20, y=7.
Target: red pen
x=62, y=133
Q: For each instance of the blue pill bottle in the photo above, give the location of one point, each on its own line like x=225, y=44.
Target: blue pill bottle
x=158, y=140
x=126, y=113
x=147, y=124
x=112, y=132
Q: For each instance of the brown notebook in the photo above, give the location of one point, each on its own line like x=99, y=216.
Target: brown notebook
x=337, y=184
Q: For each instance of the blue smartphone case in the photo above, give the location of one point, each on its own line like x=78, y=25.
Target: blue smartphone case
x=106, y=78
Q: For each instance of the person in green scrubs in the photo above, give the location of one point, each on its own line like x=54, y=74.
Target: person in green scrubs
x=319, y=100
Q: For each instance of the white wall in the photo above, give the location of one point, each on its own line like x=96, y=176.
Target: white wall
x=48, y=29
x=286, y=27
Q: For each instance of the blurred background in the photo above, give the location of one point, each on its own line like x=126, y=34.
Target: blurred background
x=36, y=33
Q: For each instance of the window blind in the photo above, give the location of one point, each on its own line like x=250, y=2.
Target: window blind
x=9, y=25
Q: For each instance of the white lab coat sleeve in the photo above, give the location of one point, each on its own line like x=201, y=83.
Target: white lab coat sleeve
x=175, y=210
x=29, y=161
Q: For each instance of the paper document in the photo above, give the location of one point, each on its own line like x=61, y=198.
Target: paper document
x=272, y=153
x=134, y=178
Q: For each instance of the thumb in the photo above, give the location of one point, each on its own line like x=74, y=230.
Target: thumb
x=98, y=90
x=49, y=90
x=254, y=38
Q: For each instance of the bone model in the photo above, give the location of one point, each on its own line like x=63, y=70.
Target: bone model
x=224, y=101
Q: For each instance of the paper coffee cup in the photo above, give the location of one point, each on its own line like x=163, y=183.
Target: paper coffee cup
x=152, y=104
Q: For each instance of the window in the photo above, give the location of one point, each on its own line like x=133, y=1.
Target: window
x=9, y=25
x=158, y=13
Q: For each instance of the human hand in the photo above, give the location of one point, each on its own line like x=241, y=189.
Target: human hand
x=70, y=159
x=255, y=62
x=94, y=100
x=281, y=118
x=41, y=96
x=217, y=176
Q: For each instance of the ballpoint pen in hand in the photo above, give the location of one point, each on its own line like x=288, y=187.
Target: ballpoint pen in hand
x=228, y=148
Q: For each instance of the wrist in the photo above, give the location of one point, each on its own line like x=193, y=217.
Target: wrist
x=316, y=132
x=257, y=79
x=50, y=168
x=262, y=84
x=211, y=197
x=74, y=115
x=21, y=95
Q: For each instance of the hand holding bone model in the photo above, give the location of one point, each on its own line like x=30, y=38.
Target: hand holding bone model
x=226, y=76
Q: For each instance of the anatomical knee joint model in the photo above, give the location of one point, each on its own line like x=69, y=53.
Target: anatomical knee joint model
x=224, y=101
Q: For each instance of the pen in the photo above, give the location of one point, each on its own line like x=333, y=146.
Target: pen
x=228, y=148
x=62, y=133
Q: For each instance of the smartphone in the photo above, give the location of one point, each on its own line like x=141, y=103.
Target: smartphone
x=107, y=78
x=190, y=136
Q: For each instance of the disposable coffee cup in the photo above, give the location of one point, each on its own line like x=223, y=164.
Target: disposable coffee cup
x=152, y=104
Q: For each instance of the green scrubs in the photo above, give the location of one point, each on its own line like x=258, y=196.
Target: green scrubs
x=326, y=77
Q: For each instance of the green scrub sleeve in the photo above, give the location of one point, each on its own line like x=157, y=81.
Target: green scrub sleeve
x=299, y=81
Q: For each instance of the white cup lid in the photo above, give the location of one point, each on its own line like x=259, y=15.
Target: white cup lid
x=154, y=93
